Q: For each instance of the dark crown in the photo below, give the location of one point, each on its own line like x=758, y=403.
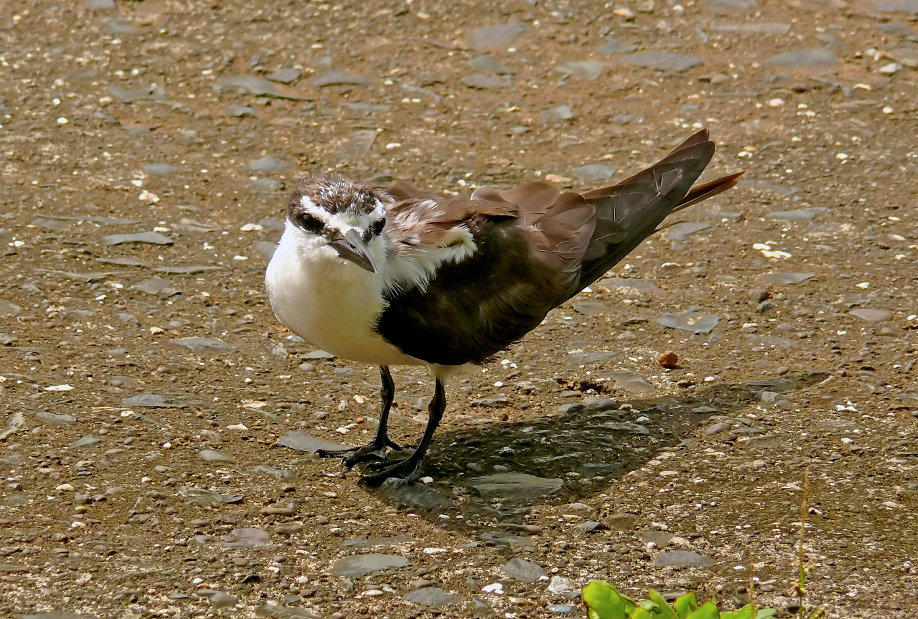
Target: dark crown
x=335, y=194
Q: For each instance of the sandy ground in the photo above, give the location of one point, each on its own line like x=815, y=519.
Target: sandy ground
x=142, y=474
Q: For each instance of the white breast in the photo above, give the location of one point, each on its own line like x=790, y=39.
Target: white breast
x=328, y=301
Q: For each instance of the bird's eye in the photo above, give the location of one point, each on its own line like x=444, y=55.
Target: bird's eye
x=377, y=226
x=310, y=223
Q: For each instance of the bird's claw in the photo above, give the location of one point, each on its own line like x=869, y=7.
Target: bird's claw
x=354, y=455
x=407, y=469
x=366, y=453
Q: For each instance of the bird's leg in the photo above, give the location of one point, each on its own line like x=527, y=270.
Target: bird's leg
x=409, y=468
x=375, y=449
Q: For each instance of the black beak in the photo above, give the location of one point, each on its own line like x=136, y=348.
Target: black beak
x=352, y=248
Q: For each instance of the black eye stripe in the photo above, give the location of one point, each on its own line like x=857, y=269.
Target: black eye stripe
x=310, y=223
x=377, y=227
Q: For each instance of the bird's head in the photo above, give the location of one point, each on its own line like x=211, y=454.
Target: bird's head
x=340, y=213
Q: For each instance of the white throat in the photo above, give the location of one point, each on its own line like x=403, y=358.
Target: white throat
x=328, y=301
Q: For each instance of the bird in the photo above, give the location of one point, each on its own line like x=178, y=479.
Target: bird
x=393, y=275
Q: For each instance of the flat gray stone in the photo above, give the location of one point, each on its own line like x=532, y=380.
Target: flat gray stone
x=269, y=163
x=800, y=214
x=787, y=279
x=86, y=441
x=265, y=185
x=204, y=345
x=560, y=585
x=432, y=597
x=357, y=144
x=153, y=92
x=586, y=69
x=498, y=399
x=246, y=537
x=486, y=81
x=240, y=111
x=615, y=46
x=594, y=171
x=270, y=471
x=367, y=109
x=497, y=36
x=736, y=5
x=189, y=269
x=630, y=381
x=628, y=427
x=558, y=113
x=8, y=309
x=223, y=600
x=305, y=442
x=590, y=308
x=209, y=455
x=361, y=565
x=667, y=61
x=55, y=418
x=206, y=497
x=256, y=86
x=156, y=286
x=150, y=400
x=160, y=169
x=515, y=486
x=265, y=249
x=337, y=77
x=284, y=612
x=893, y=6
x=486, y=63
x=524, y=570
x=871, y=315
x=681, y=558
x=285, y=75
x=683, y=229
x=814, y=58
x=696, y=322
x=590, y=357
x=152, y=238
x=754, y=28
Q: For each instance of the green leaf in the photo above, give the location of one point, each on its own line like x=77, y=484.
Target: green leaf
x=707, y=611
x=640, y=613
x=743, y=613
x=664, y=611
x=605, y=600
x=750, y=611
x=685, y=604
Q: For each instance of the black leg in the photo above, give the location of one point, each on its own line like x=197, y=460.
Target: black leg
x=409, y=468
x=376, y=449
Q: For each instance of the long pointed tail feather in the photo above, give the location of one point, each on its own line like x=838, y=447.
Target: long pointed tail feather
x=630, y=211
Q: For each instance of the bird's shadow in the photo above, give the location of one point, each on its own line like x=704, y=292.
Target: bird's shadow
x=575, y=453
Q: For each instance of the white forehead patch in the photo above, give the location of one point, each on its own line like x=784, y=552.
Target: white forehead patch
x=343, y=222
x=310, y=207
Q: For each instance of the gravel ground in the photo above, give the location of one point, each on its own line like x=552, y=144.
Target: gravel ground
x=157, y=422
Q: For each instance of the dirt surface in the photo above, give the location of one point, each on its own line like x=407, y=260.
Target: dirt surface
x=156, y=116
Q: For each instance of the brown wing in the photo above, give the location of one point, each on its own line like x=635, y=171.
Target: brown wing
x=629, y=211
x=529, y=243
x=535, y=248
x=418, y=218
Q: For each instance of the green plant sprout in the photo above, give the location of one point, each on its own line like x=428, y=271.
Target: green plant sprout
x=604, y=601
